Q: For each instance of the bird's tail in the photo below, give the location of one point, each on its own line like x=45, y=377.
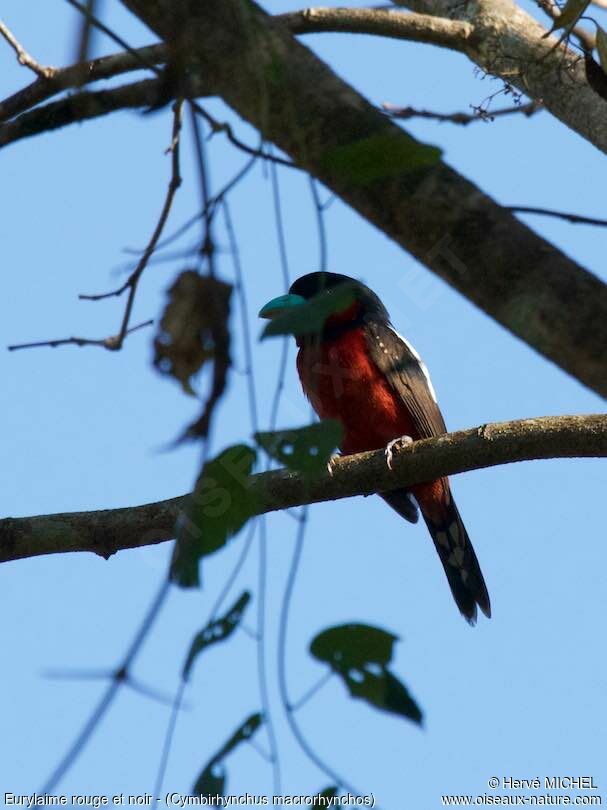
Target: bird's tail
x=457, y=555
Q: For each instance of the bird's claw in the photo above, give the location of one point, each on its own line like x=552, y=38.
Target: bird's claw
x=401, y=441
x=331, y=463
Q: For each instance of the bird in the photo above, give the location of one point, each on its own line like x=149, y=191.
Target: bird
x=356, y=368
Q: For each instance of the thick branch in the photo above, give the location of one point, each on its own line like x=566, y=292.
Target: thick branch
x=297, y=102
x=108, y=531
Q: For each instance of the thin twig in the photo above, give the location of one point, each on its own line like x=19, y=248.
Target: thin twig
x=112, y=343
x=133, y=280
x=113, y=36
x=462, y=118
x=85, y=38
x=178, y=700
x=213, y=203
x=309, y=693
x=244, y=314
x=222, y=126
x=174, y=184
x=262, y=589
x=286, y=281
x=23, y=57
x=322, y=230
x=65, y=78
x=282, y=665
x=116, y=342
x=207, y=246
x=120, y=677
x=262, y=574
x=576, y=219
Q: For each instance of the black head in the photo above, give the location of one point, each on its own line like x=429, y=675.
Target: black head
x=368, y=304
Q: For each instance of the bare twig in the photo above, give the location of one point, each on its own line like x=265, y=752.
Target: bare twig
x=116, y=342
x=548, y=212
x=97, y=23
x=108, y=531
x=298, y=734
x=222, y=126
x=207, y=247
x=23, y=57
x=112, y=343
x=119, y=679
x=133, y=280
x=84, y=40
x=65, y=78
x=286, y=280
x=478, y=114
x=215, y=201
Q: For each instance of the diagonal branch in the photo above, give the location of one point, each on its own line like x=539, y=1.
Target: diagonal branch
x=108, y=531
x=23, y=57
x=446, y=222
x=66, y=78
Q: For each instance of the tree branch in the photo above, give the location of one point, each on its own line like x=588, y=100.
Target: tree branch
x=504, y=41
x=482, y=250
x=462, y=118
x=447, y=223
x=66, y=78
x=80, y=107
x=108, y=531
x=451, y=34
x=23, y=57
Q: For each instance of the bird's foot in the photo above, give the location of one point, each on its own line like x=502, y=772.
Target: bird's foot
x=331, y=462
x=401, y=441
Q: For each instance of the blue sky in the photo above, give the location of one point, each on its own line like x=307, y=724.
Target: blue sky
x=521, y=695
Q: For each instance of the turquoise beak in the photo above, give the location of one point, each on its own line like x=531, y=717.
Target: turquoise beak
x=284, y=303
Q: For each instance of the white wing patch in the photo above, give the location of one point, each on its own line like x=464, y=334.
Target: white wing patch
x=422, y=365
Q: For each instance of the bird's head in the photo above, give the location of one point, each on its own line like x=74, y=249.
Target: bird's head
x=327, y=302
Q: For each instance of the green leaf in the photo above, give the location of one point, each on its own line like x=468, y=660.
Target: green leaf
x=382, y=689
x=359, y=654
x=211, y=782
x=220, y=505
x=216, y=631
x=350, y=646
x=378, y=156
x=244, y=732
x=306, y=450
x=570, y=14
x=212, y=778
x=328, y=792
x=601, y=46
x=309, y=318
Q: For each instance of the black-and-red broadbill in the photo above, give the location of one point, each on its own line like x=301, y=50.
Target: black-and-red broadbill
x=357, y=369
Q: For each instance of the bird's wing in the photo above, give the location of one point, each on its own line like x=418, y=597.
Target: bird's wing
x=408, y=376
